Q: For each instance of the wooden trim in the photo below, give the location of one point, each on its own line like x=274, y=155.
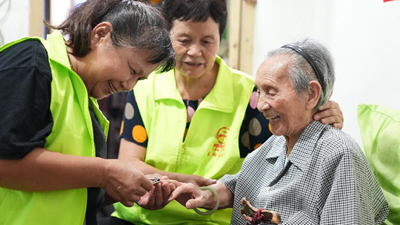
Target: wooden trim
x=234, y=24
x=247, y=37
x=36, y=12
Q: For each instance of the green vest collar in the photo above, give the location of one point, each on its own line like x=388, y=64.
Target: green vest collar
x=220, y=98
x=58, y=53
x=167, y=86
x=57, y=43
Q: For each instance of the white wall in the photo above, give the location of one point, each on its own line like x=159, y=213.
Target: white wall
x=59, y=10
x=362, y=35
x=16, y=24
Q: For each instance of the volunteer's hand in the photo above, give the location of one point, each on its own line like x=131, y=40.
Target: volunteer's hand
x=330, y=113
x=124, y=183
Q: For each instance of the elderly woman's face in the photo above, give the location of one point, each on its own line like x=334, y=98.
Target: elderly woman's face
x=277, y=99
x=196, y=45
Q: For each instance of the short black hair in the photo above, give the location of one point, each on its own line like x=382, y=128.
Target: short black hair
x=135, y=24
x=197, y=11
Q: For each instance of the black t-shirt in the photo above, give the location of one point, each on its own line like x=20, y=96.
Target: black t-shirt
x=25, y=116
x=25, y=91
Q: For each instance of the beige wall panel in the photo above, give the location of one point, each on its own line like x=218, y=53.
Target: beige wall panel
x=247, y=37
x=36, y=13
x=234, y=20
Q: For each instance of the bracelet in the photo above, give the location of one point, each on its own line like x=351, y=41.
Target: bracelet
x=216, y=205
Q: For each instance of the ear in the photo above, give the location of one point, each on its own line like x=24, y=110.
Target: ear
x=100, y=33
x=314, y=94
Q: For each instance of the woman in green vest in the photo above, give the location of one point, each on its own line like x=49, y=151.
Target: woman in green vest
x=198, y=121
x=53, y=135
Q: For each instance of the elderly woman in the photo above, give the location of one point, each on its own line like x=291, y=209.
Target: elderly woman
x=307, y=172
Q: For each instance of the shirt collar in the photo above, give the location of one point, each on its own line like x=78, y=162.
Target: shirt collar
x=220, y=98
x=277, y=149
x=306, y=145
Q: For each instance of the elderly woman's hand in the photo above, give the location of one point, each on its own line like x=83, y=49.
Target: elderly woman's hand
x=157, y=198
x=197, y=180
x=190, y=195
x=330, y=113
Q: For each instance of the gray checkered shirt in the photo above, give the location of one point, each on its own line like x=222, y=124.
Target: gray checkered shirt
x=326, y=180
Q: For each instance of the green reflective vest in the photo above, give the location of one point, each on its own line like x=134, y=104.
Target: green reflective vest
x=72, y=134
x=211, y=146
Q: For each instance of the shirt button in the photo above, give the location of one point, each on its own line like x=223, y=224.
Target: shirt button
x=268, y=188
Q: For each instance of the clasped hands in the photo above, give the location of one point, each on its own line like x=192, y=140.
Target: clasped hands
x=187, y=194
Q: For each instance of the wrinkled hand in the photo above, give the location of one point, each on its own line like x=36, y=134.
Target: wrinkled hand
x=330, y=113
x=189, y=195
x=157, y=198
x=197, y=180
x=124, y=183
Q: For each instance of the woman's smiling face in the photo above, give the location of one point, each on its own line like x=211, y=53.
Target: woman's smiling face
x=287, y=112
x=196, y=45
x=119, y=70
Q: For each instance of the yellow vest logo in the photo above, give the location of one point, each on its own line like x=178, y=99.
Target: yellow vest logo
x=218, y=149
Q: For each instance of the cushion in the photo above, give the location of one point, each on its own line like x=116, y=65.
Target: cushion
x=380, y=132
